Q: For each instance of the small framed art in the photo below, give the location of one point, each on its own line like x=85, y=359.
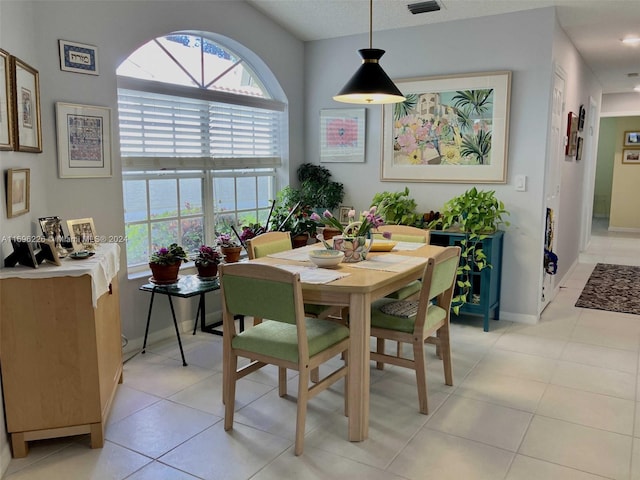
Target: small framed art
x=632, y=139
x=78, y=57
x=6, y=102
x=18, y=185
x=344, y=214
x=342, y=135
x=26, y=105
x=84, y=141
x=572, y=135
x=82, y=230
x=631, y=155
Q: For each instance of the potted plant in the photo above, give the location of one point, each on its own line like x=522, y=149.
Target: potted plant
x=229, y=248
x=397, y=208
x=165, y=263
x=207, y=260
x=476, y=214
x=317, y=190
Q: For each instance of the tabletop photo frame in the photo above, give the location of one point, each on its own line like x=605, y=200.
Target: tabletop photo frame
x=6, y=102
x=84, y=140
x=26, y=107
x=82, y=231
x=18, y=191
x=449, y=129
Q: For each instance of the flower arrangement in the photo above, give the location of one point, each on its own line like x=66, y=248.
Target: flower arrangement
x=206, y=256
x=225, y=240
x=369, y=220
x=169, y=255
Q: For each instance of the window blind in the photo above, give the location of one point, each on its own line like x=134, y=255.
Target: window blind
x=167, y=131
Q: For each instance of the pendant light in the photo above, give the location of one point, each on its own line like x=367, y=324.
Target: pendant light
x=370, y=84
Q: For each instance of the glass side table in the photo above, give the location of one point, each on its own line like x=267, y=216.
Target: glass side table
x=187, y=286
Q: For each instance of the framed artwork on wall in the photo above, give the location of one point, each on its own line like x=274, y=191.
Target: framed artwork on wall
x=579, y=149
x=631, y=155
x=572, y=135
x=78, y=57
x=26, y=107
x=84, y=141
x=632, y=139
x=18, y=194
x=449, y=129
x=6, y=102
x=342, y=134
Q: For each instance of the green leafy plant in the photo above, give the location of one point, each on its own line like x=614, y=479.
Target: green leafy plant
x=476, y=213
x=397, y=208
x=317, y=190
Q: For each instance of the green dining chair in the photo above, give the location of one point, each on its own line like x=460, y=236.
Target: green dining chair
x=286, y=338
x=416, y=322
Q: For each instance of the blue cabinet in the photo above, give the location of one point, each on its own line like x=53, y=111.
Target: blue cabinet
x=484, y=297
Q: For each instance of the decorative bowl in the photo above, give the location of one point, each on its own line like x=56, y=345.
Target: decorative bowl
x=326, y=258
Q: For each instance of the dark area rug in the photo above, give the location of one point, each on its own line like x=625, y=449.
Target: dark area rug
x=615, y=288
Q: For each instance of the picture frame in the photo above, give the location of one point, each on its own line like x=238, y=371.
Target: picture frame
x=18, y=191
x=631, y=156
x=6, y=102
x=632, y=139
x=342, y=135
x=424, y=137
x=48, y=253
x=54, y=223
x=84, y=141
x=581, y=118
x=82, y=231
x=26, y=107
x=78, y=57
x=572, y=135
x=344, y=214
x=579, y=148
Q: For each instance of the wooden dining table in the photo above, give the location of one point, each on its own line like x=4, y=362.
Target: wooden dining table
x=358, y=290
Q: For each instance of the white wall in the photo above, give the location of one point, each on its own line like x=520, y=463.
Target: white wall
x=620, y=104
x=580, y=85
x=30, y=30
x=476, y=45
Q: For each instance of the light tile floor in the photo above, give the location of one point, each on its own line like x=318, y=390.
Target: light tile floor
x=553, y=401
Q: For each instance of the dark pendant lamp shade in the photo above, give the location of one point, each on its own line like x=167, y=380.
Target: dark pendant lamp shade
x=370, y=84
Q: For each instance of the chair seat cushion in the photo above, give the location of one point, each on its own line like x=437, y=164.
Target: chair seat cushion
x=313, y=309
x=406, y=291
x=379, y=319
x=280, y=340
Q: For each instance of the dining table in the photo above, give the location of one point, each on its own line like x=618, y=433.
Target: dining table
x=356, y=285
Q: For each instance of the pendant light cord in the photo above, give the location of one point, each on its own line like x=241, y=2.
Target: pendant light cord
x=370, y=23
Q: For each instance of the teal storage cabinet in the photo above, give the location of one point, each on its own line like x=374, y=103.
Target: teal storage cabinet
x=484, y=298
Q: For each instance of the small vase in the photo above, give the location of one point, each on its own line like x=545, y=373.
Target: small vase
x=207, y=271
x=231, y=254
x=355, y=248
x=165, y=274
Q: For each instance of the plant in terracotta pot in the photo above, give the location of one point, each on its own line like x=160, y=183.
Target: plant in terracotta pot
x=302, y=228
x=165, y=263
x=229, y=247
x=207, y=260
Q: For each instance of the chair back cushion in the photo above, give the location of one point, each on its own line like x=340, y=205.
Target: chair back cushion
x=259, y=297
x=271, y=247
x=443, y=275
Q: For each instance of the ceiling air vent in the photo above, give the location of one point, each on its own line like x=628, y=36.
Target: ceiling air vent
x=423, y=7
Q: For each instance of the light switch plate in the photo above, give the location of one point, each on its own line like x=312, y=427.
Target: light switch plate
x=521, y=183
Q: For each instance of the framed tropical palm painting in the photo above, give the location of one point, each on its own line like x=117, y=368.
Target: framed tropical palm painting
x=449, y=129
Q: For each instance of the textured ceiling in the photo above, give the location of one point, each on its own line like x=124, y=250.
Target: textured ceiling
x=594, y=26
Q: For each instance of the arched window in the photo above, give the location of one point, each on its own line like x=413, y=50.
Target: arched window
x=200, y=139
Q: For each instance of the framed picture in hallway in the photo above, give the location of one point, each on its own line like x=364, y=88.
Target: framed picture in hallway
x=632, y=139
x=631, y=155
x=449, y=129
